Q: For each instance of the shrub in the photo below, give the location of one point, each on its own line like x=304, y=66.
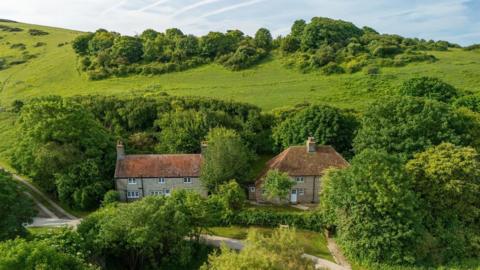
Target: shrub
x=39, y=44
x=19, y=46
x=111, y=196
x=429, y=87
x=332, y=68
x=258, y=217
x=372, y=70
x=36, y=32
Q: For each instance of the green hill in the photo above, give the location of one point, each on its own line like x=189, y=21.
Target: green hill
x=268, y=85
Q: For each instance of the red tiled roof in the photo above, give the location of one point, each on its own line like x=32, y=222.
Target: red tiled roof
x=181, y=165
x=296, y=161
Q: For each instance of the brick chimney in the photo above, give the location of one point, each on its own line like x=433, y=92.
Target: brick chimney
x=203, y=147
x=311, y=145
x=120, y=150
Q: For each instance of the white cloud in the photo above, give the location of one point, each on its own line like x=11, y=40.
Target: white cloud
x=437, y=19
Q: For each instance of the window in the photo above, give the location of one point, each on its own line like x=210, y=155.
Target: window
x=133, y=194
x=166, y=192
x=299, y=179
x=132, y=181
x=161, y=180
x=252, y=189
x=301, y=191
x=156, y=193
x=187, y=180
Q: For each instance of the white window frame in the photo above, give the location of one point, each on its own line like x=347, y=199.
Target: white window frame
x=132, y=181
x=301, y=191
x=299, y=179
x=133, y=194
x=161, y=180
x=252, y=189
x=167, y=191
x=156, y=193
x=187, y=180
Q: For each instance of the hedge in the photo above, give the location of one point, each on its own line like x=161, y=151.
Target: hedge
x=253, y=217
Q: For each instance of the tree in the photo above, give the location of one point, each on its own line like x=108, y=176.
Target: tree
x=15, y=208
x=429, y=87
x=408, y=125
x=327, y=124
x=127, y=50
x=447, y=178
x=374, y=208
x=297, y=29
x=228, y=199
x=57, y=137
x=263, y=39
x=225, y=158
x=279, y=251
x=80, y=44
x=290, y=44
x=101, y=41
x=277, y=185
x=149, y=233
x=20, y=254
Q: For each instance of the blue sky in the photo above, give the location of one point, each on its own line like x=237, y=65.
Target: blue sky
x=453, y=20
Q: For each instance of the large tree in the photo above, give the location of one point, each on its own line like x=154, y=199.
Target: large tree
x=150, y=233
x=263, y=39
x=56, y=136
x=408, y=125
x=225, y=158
x=447, y=178
x=327, y=124
x=15, y=208
x=429, y=87
x=374, y=208
x=278, y=251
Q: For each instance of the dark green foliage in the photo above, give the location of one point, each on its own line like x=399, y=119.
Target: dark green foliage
x=344, y=47
x=107, y=53
x=374, y=209
x=147, y=234
x=7, y=28
x=39, y=44
x=17, y=106
x=263, y=39
x=472, y=47
x=408, y=125
x=471, y=102
x=65, y=150
x=15, y=208
x=127, y=50
x=226, y=157
x=429, y=87
x=329, y=125
x=19, y=46
x=36, y=32
x=267, y=218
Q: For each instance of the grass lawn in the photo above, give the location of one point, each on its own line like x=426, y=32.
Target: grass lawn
x=313, y=243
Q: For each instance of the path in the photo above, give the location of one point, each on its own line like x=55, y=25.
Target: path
x=235, y=244
x=337, y=253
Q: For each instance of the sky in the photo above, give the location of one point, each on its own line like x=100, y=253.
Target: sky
x=453, y=20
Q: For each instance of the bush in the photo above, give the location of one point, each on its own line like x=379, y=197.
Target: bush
x=372, y=70
x=36, y=32
x=19, y=46
x=7, y=28
x=112, y=196
x=332, y=68
x=39, y=44
x=312, y=221
x=429, y=87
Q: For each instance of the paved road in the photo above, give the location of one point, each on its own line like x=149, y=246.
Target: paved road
x=235, y=244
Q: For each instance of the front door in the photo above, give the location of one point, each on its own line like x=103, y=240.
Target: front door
x=293, y=196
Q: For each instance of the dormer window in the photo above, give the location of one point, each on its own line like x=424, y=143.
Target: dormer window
x=187, y=180
x=132, y=181
x=161, y=180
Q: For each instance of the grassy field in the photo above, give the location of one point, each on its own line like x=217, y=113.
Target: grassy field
x=313, y=243
x=269, y=85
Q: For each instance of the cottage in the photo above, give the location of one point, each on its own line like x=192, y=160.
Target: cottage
x=306, y=166
x=137, y=176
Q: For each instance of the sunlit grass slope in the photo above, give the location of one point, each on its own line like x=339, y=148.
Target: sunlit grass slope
x=268, y=85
